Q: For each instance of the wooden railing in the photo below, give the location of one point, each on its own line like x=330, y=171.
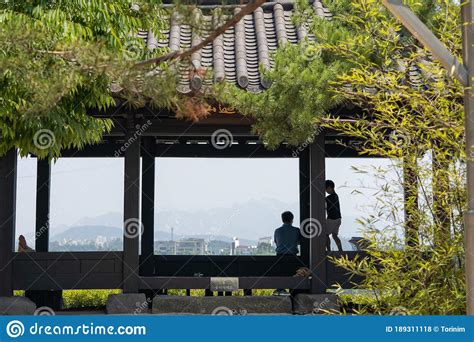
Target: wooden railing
x=104, y=270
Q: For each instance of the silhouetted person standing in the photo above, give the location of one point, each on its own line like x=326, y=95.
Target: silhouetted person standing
x=333, y=221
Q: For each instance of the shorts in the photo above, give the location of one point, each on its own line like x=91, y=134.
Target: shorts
x=332, y=226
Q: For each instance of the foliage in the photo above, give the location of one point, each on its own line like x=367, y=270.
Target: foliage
x=362, y=44
x=59, y=60
x=404, y=107
x=419, y=277
x=80, y=299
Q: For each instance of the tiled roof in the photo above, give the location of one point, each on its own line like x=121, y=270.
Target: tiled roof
x=236, y=55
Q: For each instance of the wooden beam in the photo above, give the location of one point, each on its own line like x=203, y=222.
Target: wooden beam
x=204, y=282
x=113, y=149
x=43, y=186
x=317, y=262
x=132, y=224
x=148, y=205
x=232, y=151
x=172, y=127
x=8, y=175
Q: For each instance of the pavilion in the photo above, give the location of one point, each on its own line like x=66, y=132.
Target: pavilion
x=149, y=135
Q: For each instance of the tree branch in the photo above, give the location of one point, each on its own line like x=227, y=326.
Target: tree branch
x=249, y=8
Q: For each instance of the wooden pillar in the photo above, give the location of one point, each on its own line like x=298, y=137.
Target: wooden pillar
x=148, y=205
x=52, y=299
x=132, y=225
x=43, y=186
x=317, y=239
x=304, y=185
x=8, y=173
x=410, y=204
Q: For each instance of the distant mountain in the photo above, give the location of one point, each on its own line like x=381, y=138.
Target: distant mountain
x=93, y=232
x=88, y=233
x=247, y=221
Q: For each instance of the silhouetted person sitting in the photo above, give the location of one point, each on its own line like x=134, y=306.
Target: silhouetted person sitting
x=333, y=221
x=23, y=246
x=287, y=238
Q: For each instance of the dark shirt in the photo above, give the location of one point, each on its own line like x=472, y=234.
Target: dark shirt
x=287, y=239
x=332, y=207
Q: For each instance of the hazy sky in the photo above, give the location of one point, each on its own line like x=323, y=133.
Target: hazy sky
x=92, y=187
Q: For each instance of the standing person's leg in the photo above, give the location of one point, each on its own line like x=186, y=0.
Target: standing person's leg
x=335, y=232
x=328, y=243
x=337, y=241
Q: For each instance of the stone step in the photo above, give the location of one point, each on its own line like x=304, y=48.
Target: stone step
x=16, y=306
x=315, y=304
x=127, y=304
x=223, y=305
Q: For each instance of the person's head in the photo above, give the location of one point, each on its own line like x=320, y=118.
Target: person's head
x=287, y=217
x=22, y=241
x=330, y=186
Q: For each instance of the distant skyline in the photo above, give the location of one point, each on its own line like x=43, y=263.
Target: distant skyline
x=87, y=188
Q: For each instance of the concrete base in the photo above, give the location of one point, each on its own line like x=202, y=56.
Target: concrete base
x=316, y=304
x=228, y=305
x=16, y=306
x=127, y=304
